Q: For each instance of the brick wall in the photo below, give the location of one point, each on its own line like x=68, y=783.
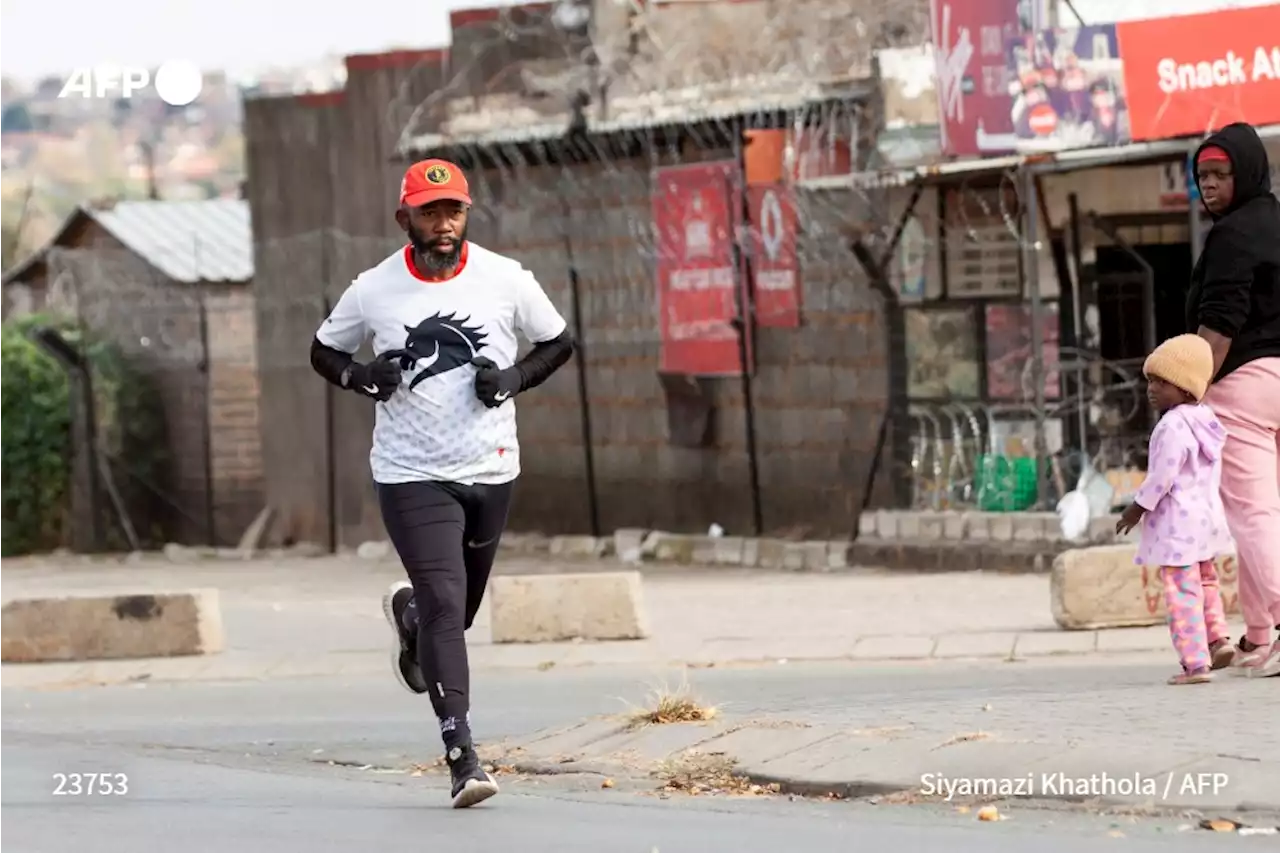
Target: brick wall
x=235, y=440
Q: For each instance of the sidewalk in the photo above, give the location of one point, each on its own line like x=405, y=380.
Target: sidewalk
x=1058, y=733
x=698, y=617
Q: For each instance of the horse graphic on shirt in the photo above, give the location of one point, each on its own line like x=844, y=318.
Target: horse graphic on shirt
x=438, y=344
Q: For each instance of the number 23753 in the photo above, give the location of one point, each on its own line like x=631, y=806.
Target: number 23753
x=90, y=784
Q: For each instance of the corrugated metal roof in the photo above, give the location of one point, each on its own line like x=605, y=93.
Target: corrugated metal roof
x=188, y=241
x=707, y=102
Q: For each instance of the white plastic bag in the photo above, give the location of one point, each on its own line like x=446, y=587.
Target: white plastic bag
x=1073, y=513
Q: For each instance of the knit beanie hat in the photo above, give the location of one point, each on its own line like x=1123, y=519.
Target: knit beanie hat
x=1185, y=361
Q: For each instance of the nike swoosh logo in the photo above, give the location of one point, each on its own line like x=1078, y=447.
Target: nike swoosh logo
x=372, y=389
x=501, y=395
x=474, y=544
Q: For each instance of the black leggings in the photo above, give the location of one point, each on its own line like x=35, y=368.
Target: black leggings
x=447, y=537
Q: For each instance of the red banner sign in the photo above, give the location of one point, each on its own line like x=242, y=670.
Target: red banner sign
x=1190, y=74
x=698, y=287
x=774, y=266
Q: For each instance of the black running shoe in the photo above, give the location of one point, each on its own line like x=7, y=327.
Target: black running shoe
x=404, y=661
x=471, y=784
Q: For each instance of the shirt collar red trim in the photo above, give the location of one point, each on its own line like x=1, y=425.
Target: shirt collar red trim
x=413, y=269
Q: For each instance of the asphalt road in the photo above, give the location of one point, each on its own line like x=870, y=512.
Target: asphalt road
x=244, y=767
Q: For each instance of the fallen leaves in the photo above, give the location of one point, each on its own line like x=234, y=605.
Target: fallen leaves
x=990, y=813
x=697, y=773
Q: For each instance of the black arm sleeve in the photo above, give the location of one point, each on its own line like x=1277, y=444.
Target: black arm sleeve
x=1228, y=279
x=543, y=360
x=329, y=362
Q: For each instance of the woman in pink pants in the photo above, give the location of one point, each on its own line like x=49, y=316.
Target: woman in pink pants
x=1234, y=303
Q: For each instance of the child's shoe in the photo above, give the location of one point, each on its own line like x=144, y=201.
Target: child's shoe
x=1268, y=667
x=1221, y=654
x=1246, y=656
x=1195, y=676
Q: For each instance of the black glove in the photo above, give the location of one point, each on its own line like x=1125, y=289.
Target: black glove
x=493, y=385
x=378, y=379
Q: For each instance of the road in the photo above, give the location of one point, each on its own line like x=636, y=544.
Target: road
x=245, y=767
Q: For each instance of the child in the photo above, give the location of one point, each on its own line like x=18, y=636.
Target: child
x=1183, y=525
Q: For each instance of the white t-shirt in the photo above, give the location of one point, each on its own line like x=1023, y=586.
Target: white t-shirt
x=434, y=427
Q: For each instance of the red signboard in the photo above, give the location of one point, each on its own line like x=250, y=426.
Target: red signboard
x=1190, y=74
x=969, y=38
x=694, y=218
x=774, y=267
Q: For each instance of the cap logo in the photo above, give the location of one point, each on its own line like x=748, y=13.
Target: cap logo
x=438, y=174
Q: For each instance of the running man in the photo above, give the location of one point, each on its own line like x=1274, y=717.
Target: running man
x=443, y=315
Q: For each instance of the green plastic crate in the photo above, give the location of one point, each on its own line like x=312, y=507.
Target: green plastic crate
x=1004, y=484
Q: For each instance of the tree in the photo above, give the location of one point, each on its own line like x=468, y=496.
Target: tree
x=16, y=118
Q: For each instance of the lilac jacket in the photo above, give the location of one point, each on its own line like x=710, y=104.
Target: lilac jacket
x=1184, y=523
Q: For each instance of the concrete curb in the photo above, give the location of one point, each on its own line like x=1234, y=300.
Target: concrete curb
x=995, y=647
x=826, y=760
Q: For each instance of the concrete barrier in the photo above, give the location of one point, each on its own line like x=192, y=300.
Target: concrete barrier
x=548, y=608
x=1101, y=587
x=76, y=628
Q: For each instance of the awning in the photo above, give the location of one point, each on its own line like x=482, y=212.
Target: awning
x=1040, y=163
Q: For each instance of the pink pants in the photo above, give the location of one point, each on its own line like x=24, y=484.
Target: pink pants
x=1247, y=402
x=1196, y=617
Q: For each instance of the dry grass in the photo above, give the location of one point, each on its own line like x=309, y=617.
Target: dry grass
x=699, y=773
x=667, y=706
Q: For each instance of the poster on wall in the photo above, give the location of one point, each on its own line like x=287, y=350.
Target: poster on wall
x=942, y=354
x=969, y=41
x=694, y=220
x=1186, y=75
x=775, y=267
x=1009, y=352
x=1068, y=87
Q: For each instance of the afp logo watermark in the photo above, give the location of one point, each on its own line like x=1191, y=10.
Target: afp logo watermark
x=176, y=82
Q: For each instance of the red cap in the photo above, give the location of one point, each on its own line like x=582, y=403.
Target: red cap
x=434, y=180
x=1212, y=152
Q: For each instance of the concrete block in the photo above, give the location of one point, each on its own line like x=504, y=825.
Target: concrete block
x=1101, y=587
x=704, y=551
x=955, y=525
x=76, y=628
x=771, y=553
x=814, y=556
x=909, y=525
x=374, y=550
x=551, y=608
x=1000, y=527
x=579, y=546
x=867, y=525
x=1102, y=531
x=1032, y=526
x=932, y=525
x=886, y=524
x=793, y=556
x=751, y=552
x=674, y=548
x=977, y=526
x=727, y=551
x=837, y=555
x=628, y=544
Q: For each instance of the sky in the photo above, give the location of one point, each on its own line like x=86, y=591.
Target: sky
x=240, y=36
x=237, y=36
